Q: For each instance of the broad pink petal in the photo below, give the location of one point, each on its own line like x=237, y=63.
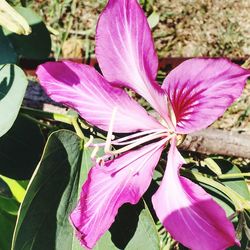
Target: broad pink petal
x=125, y=51
x=107, y=188
x=188, y=213
x=82, y=88
x=200, y=91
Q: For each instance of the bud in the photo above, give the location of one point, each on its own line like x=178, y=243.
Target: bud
x=12, y=20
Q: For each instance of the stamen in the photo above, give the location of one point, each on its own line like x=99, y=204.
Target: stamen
x=110, y=131
x=100, y=161
x=135, y=140
x=126, y=138
x=94, y=152
x=87, y=144
x=139, y=142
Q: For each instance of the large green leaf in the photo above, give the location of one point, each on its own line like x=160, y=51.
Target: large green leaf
x=13, y=84
x=20, y=149
x=37, y=45
x=43, y=220
x=52, y=194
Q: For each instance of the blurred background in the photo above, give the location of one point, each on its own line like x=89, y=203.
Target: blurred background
x=181, y=28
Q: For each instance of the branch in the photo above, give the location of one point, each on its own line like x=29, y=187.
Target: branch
x=216, y=141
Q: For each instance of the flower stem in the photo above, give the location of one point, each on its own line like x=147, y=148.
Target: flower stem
x=47, y=115
x=77, y=128
x=232, y=176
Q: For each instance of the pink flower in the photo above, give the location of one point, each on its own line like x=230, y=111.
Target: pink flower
x=192, y=96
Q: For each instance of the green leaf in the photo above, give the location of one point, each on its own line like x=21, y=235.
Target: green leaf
x=239, y=185
x=7, y=52
x=20, y=149
x=9, y=205
x=37, y=45
x=52, y=194
x=213, y=166
x=13, y=84
x=16, y=189
x=43, y=220
x=134, y=228
x=7, y=224
x=4, y=189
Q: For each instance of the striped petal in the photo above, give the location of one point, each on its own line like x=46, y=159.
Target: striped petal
x=82, y=88
x=200, y=90
x=188, y=213
x=125, y=51
x=107, y=188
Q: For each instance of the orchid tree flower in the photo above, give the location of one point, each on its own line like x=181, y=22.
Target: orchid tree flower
x=192, y=96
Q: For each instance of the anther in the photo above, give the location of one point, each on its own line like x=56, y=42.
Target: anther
x=110, y=131
x=87, y=144
x=94, y=152
x=100, y=161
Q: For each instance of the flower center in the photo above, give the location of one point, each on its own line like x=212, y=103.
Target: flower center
x=128, y=142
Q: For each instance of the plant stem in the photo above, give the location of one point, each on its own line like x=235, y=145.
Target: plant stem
x=77, y=128
x=43, y=114
x=29, y=112
x=232, y=176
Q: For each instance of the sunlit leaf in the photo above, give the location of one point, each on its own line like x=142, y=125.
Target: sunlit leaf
x=13, y=84
x=213, y=166
x=16, y=189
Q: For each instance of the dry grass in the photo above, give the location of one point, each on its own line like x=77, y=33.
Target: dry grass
x=203, y=28
x=186, y=27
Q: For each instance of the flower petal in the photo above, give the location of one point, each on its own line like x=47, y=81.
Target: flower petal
x=81, y=87
x=107, y=188
x=188, y=213
x=200, y=91
x=125, y=51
